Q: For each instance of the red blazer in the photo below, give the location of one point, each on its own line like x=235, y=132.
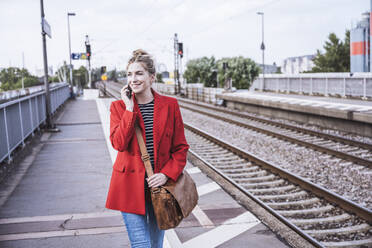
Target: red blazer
x=126, y=192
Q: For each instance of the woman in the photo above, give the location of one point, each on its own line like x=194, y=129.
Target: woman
x=162, y=128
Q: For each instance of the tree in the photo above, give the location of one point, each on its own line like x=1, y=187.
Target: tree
x=80, y=77
x=205, y=70
x=11, y=79
x=336, y=57
x=200, y=71
x=112, y=75
x=241, y=70
x=159, y=78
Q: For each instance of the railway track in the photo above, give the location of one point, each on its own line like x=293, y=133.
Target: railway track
x=323, y=218
x=347, y=149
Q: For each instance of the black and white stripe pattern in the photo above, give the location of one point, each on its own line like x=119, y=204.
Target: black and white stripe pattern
x=147, y=111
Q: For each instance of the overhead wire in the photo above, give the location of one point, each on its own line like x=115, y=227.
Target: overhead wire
x=145, y=29
x=215, y=24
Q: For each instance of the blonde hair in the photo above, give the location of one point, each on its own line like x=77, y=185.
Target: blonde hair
x=141, y=56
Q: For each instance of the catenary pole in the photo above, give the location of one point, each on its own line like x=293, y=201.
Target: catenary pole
x=49, y=121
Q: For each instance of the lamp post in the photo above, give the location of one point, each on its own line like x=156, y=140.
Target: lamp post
x=69, y=43
x=263, y=50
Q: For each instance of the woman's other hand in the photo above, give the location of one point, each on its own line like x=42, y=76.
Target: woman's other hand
x=128, y=102
x=157, y=180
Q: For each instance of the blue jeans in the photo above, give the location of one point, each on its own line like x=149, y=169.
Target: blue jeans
x=143, y=230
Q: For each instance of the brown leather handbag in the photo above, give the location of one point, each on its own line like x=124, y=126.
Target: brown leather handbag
x=174, y=200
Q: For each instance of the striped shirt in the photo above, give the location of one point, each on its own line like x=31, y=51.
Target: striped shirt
x=147, y=112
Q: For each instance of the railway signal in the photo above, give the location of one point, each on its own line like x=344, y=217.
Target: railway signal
x=87, y=50
x=180, y=49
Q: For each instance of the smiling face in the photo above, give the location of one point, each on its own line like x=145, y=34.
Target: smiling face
x=139, y=78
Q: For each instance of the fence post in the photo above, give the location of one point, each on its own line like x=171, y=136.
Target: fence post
x=37, y=113
x=288, y=85
x=31, y=119
x=261, y=85
x=311, y=86
x=326, y=87
x=344, y=93
x=7, y=136
x=364, y=89
x=277, y=85
x=301, y=91
x=20, y=118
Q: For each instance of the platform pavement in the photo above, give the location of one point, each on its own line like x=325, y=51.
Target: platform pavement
x=59, y=202
x=329, y=99
x=304, y=103
x=323, y=111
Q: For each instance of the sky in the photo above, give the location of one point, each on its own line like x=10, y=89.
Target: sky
x=217, y=28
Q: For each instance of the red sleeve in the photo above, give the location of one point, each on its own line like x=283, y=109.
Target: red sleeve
x=174, y=167
x=121, y=128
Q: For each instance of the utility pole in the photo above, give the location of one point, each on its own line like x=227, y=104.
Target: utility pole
x=263, y=51
x=176, y=64
x=69, y=45
x=45, y=29
x=89, y=54
x=23, y=67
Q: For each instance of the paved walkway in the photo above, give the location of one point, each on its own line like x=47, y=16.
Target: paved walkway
x=59, y=195
x=354, y=104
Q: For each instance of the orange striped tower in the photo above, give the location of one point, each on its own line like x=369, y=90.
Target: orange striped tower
x=360, y=45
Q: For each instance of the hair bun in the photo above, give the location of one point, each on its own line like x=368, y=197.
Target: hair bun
x=145, y=58
x=139, y=52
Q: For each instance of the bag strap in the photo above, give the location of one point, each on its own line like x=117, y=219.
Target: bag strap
x=145, y=156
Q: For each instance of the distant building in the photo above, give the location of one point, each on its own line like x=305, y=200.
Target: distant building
x=295, y=65
x=165, y=74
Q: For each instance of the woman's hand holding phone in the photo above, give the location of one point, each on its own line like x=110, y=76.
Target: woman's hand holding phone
x=126, y=93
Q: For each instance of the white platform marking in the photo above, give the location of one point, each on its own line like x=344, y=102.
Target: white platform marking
x=225, y=232
x=59, y=217
x=74, y=232
x=314, y=103
x=193, y=170
x=90, y=94
x=208, y=188
x=172, y=239
x=202, y=217
x=104, y=115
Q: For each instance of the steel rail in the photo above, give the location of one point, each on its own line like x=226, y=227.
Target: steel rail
x=343, y=203
x=259, y=202
x=333, y=152
x=283, y=125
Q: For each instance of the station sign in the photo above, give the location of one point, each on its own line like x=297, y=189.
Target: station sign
x=83, y=56
x=46, y=28
x=77, y=56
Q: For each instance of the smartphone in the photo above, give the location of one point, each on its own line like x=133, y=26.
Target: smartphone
x=129, y=92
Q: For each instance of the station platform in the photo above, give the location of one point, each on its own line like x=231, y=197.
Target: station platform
x=355, y=114
x=56, y=195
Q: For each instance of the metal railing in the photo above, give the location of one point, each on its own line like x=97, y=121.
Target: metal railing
x=19, y=118
x=12, y=94
x=193, y=91
x=358, y=85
